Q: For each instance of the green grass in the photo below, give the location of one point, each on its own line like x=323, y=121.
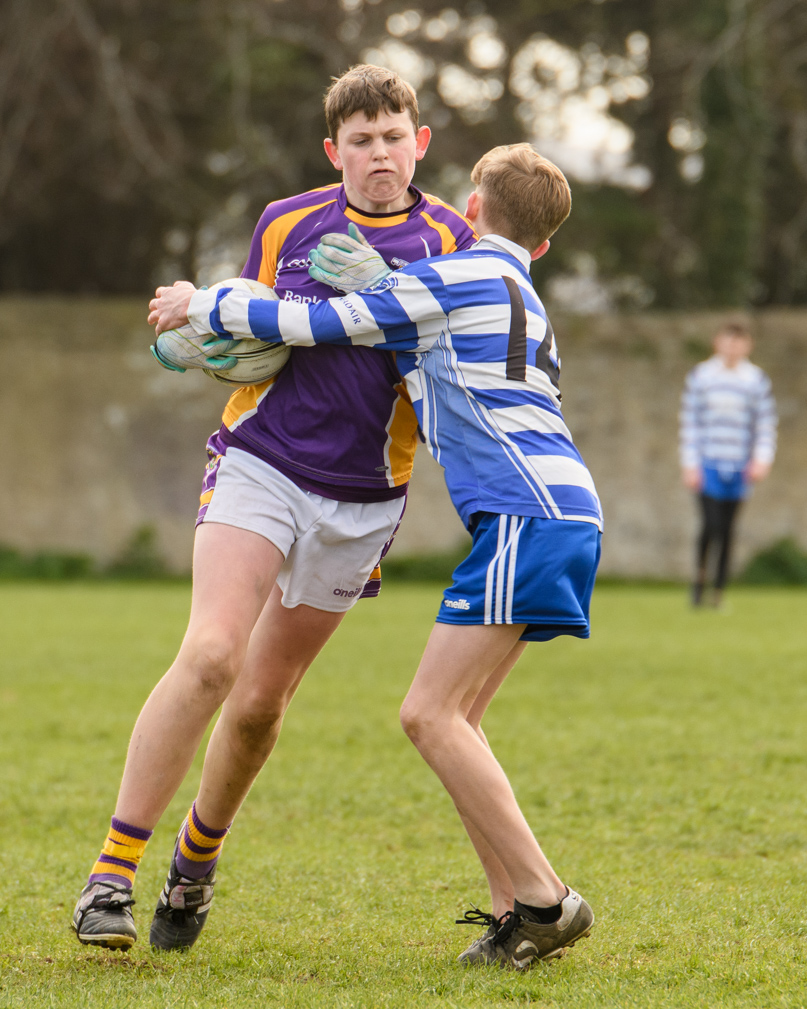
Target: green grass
x=661, y=764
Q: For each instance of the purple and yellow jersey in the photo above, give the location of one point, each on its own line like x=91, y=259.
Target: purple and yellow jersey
x=336, y=421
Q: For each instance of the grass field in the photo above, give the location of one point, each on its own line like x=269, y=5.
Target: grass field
x=661, y=764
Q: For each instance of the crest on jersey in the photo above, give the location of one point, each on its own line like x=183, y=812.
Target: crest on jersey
x=391, y=280
x=398, y=263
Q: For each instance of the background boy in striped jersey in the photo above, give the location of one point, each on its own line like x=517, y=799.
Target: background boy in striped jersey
x=305, y=486
x=727, y=441
x=479, y=359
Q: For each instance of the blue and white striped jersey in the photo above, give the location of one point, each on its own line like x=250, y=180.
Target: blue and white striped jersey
x=480, y=364
x=728, y=416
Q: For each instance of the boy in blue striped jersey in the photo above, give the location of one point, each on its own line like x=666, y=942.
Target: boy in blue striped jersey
x=727, y=441
x=479, y=360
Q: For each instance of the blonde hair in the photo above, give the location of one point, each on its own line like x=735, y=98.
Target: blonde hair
x=369, y=89
x=527, y=198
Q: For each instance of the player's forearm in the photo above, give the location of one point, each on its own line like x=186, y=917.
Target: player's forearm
x=689, y=447
x=239, y=315
x=235, y=314
x=340, y=321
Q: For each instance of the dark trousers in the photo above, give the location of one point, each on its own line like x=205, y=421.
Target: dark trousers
x=717, y=524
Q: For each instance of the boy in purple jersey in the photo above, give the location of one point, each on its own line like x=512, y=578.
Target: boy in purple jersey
x=305, y=487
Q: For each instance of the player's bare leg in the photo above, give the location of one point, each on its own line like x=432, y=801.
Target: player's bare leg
x=502, y=893
x=234, y=571
x=456, y=666
x=283, y=645
x=501, y=889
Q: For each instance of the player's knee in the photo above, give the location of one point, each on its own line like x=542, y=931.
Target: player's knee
x=258, y=716
x=416, y=720
x=258, y=730
x=215, y=659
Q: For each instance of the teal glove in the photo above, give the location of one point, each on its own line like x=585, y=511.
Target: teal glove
x=347, y=262
x=179, y=349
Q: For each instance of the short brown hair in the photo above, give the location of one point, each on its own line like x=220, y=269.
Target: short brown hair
x=527, y=198
x=736, y=327
x=368, y=89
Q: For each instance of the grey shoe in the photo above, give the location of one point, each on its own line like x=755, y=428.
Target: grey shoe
x=480, y=949
x=103, y=916
x=181, y=910
x=518, y=940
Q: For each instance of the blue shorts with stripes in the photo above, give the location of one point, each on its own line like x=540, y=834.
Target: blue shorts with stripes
x=534, y=571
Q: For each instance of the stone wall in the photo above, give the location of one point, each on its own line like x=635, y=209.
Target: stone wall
x=99, y=440
x=622, y=379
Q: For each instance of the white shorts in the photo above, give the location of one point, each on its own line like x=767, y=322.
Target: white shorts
x=331, y=547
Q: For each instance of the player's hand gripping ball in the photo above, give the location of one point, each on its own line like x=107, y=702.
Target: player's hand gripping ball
x=347, y=262
x=180, y=349
x=233, y=362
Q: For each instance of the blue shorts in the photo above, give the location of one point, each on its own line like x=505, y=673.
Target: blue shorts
x=534, y=571
x=722, y=484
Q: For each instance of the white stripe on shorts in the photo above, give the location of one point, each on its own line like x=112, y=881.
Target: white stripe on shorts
x=511, y=573
x=499, y=590
x=500, y=571
x=492, y=570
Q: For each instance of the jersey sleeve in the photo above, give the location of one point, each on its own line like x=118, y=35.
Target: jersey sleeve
x=689, y=435
x=406, y=312
x=261, y=262
x=274, y=227
x=764, y=447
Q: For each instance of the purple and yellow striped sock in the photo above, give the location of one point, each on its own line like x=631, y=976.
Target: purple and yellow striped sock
x=121, y=854
x=198, y=846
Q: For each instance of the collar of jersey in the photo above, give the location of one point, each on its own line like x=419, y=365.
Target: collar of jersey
x=380, y=220
x=720, y=365
x=502, y=244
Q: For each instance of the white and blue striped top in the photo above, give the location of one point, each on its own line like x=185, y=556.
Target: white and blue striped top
x=728, y=416
x=480, y=363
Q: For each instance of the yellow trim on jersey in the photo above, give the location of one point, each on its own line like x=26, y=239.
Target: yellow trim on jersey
x=435, y=202
x=447, y=237
x=207, y=497
x=244, y=399
x=377, y=222
x=276, y=234
x=402, y=438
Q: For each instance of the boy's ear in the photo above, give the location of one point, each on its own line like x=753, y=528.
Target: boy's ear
x=541, y=250
x=422, y=138
x=333, y=153
x=472, y=210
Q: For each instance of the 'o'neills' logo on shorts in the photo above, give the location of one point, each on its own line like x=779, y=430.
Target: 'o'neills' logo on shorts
x=457, y=604
x=347, y=593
